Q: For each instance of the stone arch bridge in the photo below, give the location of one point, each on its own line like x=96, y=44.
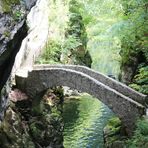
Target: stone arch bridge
x=125, y=102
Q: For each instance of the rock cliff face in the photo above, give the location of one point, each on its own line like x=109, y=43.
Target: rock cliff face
x=13, y=30
x=32, y=126
x=38, y=24
x=128, y=70
x=23, y=33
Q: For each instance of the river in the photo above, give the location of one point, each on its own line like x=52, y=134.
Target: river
x=84, y=118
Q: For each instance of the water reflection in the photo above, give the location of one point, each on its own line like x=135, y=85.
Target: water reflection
x=84, y=120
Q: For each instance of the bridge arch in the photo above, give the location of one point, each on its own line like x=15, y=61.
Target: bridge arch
x=41, y=79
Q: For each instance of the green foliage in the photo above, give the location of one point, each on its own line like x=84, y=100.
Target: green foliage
x=51, y=53
x=133, y=29
x=76, y=26
x=53, y=50
x=114, y=121
x=140, y=138
x=7, y=33
x=71, y=38
x=140, y=82
x=98, y=17
x=114, y=125
x=17, y=15
x=7, y=5
x=132, y=33
x=142, y=127
x=71, y=43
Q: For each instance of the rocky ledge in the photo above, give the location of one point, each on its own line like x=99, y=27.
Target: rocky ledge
x=31, y=124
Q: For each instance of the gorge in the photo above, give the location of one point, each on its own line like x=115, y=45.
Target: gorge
x=42, y=45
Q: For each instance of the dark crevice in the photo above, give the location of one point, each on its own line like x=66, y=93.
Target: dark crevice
x=12, y=47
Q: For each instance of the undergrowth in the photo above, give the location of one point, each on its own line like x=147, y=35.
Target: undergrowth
x=140, y=138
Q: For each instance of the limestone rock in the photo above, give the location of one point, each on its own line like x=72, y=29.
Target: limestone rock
x=32, y=45
x=17, y=95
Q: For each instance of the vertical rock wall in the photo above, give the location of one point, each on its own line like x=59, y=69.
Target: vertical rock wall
x=19, y=126
x=37, y=21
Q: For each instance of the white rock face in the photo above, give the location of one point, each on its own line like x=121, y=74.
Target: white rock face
x=47, y=20
x=32, y=45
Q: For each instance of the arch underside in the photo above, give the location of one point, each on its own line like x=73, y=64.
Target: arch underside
x=124, y=107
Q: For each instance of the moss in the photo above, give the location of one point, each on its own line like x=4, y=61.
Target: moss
x=17, y=15
x=114, y=122
x=140, y=81
x=112, y=139
x=113, y=132
x=3, y=137
x=114, y=126
x=7, y=4
x=36, y=129
x=7, y=33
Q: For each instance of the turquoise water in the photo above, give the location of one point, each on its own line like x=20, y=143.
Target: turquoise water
x=86, y=117
x=84, y=120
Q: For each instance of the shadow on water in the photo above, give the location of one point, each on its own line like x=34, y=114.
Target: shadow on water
x=71, y=110
x=84, y=120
